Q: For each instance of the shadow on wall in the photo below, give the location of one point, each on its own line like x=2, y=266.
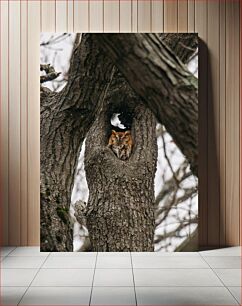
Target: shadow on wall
x=208, y=169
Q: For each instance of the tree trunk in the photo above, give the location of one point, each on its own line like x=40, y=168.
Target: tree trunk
x=163, y=82
x=65, y=119
x=120, y=209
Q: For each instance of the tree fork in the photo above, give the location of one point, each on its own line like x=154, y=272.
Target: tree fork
x=65, y=120
x=163, y=82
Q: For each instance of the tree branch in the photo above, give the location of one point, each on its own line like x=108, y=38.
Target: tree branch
x=184, y=45
x=50, y=75
x=164, y=83
x=175, y=232
x=66, y=117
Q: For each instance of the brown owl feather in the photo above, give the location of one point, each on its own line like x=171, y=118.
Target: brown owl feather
x=121, y=144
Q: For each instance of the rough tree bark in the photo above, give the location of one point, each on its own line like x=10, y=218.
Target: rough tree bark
x=183, y=45
x=120, y=208
x=164, y=83
x=65, y=120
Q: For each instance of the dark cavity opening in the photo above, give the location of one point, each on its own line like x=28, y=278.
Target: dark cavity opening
x=120, y=139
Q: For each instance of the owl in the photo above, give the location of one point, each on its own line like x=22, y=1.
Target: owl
x=121, y=144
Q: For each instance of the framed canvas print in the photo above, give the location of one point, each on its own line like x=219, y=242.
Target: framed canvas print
x=119, y=142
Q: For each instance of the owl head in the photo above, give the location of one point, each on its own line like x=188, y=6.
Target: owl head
x=120, y=137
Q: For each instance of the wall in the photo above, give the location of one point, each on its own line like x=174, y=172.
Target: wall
x=217, y=23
